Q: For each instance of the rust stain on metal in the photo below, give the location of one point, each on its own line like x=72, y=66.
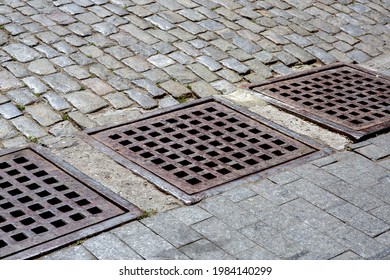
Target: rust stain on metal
x=40, y=203
x=199, y=147
x=347, y=98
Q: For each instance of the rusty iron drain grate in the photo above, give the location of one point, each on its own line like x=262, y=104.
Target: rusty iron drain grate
x=346, y=98
x=197, y=147
x=45, y=204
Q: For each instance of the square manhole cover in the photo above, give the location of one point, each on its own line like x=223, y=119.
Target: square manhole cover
x=346, y=98
x=46, y=204
x=192, y=149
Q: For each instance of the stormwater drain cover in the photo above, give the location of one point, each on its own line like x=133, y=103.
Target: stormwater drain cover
x=346, y=98
x=46, y=204
x=195, y=148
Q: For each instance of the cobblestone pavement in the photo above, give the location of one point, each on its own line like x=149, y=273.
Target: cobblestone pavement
x=67, y=65
x=71, y=64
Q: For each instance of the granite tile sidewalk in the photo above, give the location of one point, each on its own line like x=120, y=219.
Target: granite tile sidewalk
x=336, y=207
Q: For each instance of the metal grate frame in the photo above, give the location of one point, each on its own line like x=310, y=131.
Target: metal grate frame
x=202, y=148
x=346, y=98
x=46, y=204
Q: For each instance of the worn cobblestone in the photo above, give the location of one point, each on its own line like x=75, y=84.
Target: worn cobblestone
x=98, y=62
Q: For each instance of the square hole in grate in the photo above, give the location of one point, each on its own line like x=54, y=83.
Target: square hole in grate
x=218, y=144
x=40, y=212
x=355, y=89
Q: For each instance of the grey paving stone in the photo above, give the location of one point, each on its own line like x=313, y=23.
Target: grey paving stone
x=354, y=195
x=105, y=28
x=358, y=242
x=72, y=253
x=91, y=51
x=319, y=245
x=178, y=233
x=174, y=88
x=353, y=30
x=311, y=214
x=146, y=243
x=190, y=215
x=181, y=74
x=118, y=100
x=43, y=114
x=62, y=61
x=205, y=250
x=223, y=236
x=17, y=69
x=77, y=72
x=359, y=219
x=21, y=52
x=137, y=63
x=85, y=101
x=358, y=56
x=272, y=240
x=281, y=69
x=223, y=86
x=286, y=58
x=139, y=34
x=239, y=194
x=7, y=131
x=256, y=204
x=81, y=120
x=14, y=142
x=160, y=22
x=156, y=76
x=9, y=111
x=384, y=238
x=56, y=101
x=256, y=253
x=246, y=45
x=321, y=54
x=28, y=127
x=35, y=84
x=203, y=89
x=41, y=67
x=315, y=174
x=61, y=83
x=22, y=96
x=228, y=212
x=150, y=87
x=215, y=53
x=47, y=51
x=80, y=29
x=299, y=53
x=109, y=62
x=240, y=55
x=8, y=81
x=284, y=177
x=161, y=60
x=235, y=65
x=4, y=99
x=141, y=98
x=272, y=192
x=168, y=101
x=209, y=62
x=203, y=72
x=381, y=190
x=64, y=128
x=359, y=175
x=107, y=246
x=349, y=255
x=164, y=47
